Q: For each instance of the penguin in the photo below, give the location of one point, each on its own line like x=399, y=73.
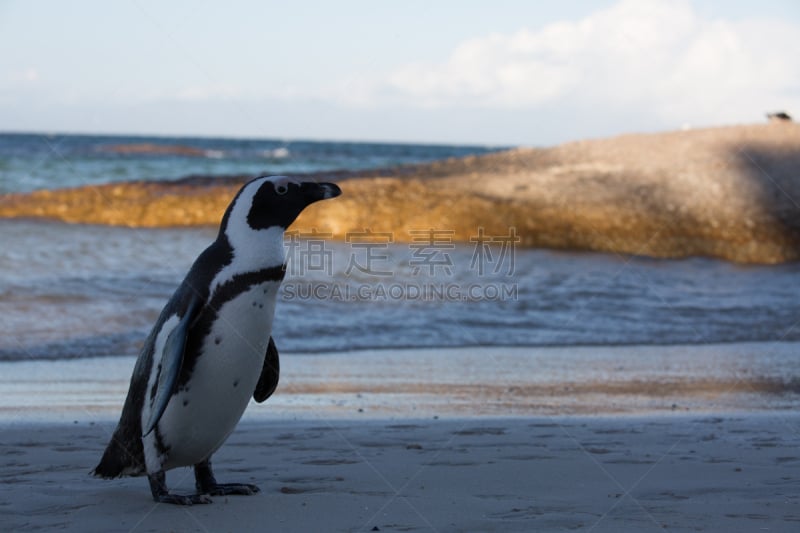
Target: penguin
x=211, y=348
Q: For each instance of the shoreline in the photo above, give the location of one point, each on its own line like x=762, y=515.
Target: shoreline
x=472, y=382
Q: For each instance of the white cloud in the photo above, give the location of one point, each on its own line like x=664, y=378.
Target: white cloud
x=655, y=57
x=27, y=75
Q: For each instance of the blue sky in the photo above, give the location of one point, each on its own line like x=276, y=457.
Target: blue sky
x=500, y=72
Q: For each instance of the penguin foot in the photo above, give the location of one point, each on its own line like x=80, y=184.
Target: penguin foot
x=206, y=484
x=224, y=489
x=158, y=486
x=180, y=499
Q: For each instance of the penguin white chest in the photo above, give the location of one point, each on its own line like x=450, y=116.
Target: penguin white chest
x=201, y=416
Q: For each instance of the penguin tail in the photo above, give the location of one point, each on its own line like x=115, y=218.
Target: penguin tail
x=119, y=459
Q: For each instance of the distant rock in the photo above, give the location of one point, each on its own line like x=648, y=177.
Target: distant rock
x=729, y=192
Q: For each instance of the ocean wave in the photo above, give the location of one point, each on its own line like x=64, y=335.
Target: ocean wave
x=276, y=153
x=214, y=154
x=117, y=344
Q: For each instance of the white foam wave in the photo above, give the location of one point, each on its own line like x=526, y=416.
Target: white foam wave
x=276, y=153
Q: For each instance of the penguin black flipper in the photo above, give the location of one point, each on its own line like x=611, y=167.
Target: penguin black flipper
x=268, y=381
x=171, y=362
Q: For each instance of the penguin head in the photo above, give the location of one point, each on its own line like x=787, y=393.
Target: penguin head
x=280, y=199
x=273, y=202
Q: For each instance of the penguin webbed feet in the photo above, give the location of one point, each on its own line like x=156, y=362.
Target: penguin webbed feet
x=224, y=489
x=207, y=484
x=158, y=486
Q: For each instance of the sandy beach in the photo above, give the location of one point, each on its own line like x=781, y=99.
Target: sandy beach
x=348, y=444
x=679, y=473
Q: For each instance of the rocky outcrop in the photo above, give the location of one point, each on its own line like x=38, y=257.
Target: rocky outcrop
x=730, y=192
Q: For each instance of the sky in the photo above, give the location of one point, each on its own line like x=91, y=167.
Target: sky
x=448, y=71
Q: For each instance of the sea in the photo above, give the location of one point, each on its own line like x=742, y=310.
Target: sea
x=70, y=291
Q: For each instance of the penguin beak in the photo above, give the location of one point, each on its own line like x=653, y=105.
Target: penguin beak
x=320, y=191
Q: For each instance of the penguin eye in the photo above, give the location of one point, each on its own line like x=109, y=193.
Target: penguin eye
x=281, y=189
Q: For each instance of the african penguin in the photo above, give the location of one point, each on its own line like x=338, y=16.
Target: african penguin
x=211, y=348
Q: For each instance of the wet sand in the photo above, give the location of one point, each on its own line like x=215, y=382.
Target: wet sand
x=451, y=383
x=673, y=472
